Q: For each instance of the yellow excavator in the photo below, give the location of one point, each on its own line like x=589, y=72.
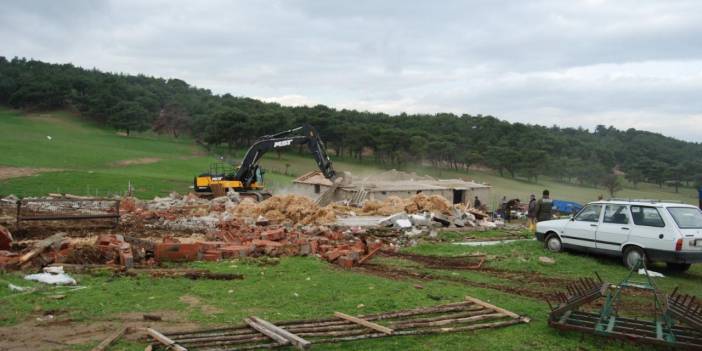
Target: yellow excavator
x=247, y=179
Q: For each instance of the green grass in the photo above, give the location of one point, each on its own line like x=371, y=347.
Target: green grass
x=300, y=288
x=87, y=156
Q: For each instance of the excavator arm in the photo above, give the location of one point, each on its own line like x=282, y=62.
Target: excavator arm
x=249, y=169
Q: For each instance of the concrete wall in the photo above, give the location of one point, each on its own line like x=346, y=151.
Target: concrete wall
x=342, y=194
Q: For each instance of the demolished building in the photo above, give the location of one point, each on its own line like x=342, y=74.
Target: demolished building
x=391, y=183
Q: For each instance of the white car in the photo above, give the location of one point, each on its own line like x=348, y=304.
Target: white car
x=634, y=230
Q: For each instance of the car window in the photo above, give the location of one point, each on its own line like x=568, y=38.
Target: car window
x=686, y=217
x=589, y=213
x=647, y=216
x=617, y=214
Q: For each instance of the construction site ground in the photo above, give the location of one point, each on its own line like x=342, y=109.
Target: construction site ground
x=511, y=276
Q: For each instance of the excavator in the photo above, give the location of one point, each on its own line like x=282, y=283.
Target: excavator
x=247, y=179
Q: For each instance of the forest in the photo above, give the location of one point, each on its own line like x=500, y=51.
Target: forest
x=136, y=103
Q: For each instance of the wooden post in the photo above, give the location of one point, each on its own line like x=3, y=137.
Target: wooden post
x=299, y=342
x=165, y=340
x=498, y=309
x=110, y=339
x=267, y=332
x=364, y=323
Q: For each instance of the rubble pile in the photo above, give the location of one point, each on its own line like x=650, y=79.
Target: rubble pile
x=286, y=209
x=416, y=204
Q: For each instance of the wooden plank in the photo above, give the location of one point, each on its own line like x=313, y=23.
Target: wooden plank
x=267, y=332
x=299, y=342
x=41, y=246
x=364, y=323
x=110, y=339
x=170, y=344
x=369, y=255
x=498, y=309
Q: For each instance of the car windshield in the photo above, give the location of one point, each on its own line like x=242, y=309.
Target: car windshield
x=686, y=217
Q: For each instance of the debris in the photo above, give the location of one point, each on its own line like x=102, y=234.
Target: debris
x=256, y=333
x=170, y=344
x=110, y=339
x=41, y=246
x=14, y=287
x=152, y=317
x=546, y=260
x=5, y=238
x=651, y=273
x=53, y=276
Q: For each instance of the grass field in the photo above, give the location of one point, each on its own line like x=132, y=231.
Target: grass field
x=299, y=288
x=96, y=161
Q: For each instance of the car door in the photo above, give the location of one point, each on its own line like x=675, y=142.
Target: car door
x=649, y=230
x=615, y=228
x=581, y=230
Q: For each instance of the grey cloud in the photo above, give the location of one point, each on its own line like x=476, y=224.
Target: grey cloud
x=627, y=63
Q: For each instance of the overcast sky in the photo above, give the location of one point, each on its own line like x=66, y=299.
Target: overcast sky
x=571, y=63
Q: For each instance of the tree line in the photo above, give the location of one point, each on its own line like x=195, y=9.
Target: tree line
x=135, y=103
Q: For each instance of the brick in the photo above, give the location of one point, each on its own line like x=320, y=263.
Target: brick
x=345, y=261
x=266, y=243
x=5, y=238
x=274, y=235
x=234, y=251
x=212, y=255
x=178, y=252
x=332, y=255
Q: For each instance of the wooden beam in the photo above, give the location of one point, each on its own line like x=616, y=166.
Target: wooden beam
x=41, y=246
x=299, y=342
x=498, y=309
x=267, y=332
x=110, y=339
x=170, y=344
x=364, y=323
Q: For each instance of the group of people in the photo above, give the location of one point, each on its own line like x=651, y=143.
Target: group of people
x=537, y=210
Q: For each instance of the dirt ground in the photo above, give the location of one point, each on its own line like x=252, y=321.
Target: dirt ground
x=136, y=161
x=54, y=332
x=14, y=172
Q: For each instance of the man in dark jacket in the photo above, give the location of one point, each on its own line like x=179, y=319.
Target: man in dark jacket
x=531, y=213
x=477, y=203
x=544, y=207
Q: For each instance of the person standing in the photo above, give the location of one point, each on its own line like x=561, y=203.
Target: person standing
x=503, y=208
x=544, y=207
x=477, y=203
x=531, y=213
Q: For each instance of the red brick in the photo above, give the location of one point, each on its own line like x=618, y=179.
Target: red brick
x=178, y=252
x=334, y=254
x=234, y=251
x=264, y=243
x=212, y=255
x=5, y=238
x=274, y=235
x=345, y=261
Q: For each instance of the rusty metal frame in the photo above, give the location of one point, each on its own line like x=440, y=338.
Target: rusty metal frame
x=68, y=217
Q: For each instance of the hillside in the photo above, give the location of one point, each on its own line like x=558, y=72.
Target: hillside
x=82, y=158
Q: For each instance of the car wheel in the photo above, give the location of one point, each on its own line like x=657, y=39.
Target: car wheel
x=632, y=255
x=677, y=267
x=553, y=243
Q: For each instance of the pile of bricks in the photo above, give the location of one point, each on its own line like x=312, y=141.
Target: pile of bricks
x=234, y=240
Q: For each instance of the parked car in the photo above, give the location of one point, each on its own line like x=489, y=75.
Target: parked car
x=635, y=230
